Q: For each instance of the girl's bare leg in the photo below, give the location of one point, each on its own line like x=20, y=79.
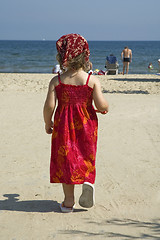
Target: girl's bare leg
x=68, y=190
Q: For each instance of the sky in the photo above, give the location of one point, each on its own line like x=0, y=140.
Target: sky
x=94, y=19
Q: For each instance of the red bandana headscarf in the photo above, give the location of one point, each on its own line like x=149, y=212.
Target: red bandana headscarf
x=70, y=46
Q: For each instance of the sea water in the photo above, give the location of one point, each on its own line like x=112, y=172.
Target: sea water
x=40, y=56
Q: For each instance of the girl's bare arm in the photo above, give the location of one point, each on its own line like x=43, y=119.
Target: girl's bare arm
x=49, y=107
x=99, y=100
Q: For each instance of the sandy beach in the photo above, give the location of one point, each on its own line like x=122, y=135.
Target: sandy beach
x=128, y=164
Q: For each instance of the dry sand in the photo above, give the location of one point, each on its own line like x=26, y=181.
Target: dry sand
x=128, y=164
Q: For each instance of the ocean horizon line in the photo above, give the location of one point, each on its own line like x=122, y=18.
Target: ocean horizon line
x=50, y=40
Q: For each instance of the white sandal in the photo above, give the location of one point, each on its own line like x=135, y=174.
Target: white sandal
x=87, y=198
x=66, y=209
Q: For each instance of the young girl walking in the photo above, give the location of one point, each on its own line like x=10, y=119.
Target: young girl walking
x=74, y=131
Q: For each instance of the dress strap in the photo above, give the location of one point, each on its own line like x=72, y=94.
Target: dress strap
x=88, y=78
x=59, y=79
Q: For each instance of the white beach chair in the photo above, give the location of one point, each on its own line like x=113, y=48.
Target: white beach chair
x=112, y=65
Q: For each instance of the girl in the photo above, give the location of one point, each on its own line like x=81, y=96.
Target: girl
x=74, y=131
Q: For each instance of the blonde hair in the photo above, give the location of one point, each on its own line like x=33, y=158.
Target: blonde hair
x=75, y=63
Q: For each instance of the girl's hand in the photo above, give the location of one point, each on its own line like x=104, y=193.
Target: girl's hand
x=49, y=128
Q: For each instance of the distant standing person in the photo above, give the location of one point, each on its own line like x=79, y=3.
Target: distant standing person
x=126, y=57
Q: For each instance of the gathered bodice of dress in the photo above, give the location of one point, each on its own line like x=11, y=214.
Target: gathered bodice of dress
x=74, y=94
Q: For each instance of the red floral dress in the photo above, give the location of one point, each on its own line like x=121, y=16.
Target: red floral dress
x=74, y=137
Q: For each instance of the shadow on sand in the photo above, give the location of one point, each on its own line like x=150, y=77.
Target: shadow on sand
x=12, y=203
x=127, y=91
x=125, y=79
x=152, y=227
x=138, y=80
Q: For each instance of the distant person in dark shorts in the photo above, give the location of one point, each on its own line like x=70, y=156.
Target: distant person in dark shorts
x=126, y=57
